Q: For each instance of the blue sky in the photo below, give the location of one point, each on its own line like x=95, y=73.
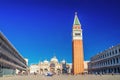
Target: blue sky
x=40, y=29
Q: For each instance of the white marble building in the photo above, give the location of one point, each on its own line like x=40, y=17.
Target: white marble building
x=86, y=66
x=34, y=68
x=53, y=66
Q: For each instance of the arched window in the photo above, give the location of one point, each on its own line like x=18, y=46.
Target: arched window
x=113, y=52
x=110, y=53
x=116, y=51
x=119, y=50
x=117, y=60
x=46, y=69
x=52, y=65
x=113, y=61
x=107, y=54
x=108, y=62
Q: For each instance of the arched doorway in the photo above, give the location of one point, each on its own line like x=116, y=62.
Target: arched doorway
x=45, y=69
x=52, y=67
x=41, y=71
x=58, y=71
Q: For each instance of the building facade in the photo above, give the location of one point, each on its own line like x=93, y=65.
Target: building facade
x=106, y=62
x=10, y=59
x=86, y=66
x=26, y=61
x=34, y=68
x=53, y=66
x=77, y=47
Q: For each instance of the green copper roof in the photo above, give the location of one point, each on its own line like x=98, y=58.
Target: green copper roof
x=76, y=20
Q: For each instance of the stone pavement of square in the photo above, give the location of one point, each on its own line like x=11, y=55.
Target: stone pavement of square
x=62, y=77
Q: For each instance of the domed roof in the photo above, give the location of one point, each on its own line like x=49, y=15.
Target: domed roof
x=46, y=62
x=54, y=59
x=41, y=63
x=63, y=61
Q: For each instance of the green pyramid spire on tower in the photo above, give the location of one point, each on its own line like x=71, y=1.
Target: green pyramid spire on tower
x=76, y=20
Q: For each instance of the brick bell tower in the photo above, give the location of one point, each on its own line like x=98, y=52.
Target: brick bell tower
x=77, y=47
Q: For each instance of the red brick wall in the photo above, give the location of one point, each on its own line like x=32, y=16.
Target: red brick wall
x=78, y=57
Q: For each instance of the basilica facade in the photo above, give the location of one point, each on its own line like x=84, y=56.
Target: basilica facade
x=53, y=66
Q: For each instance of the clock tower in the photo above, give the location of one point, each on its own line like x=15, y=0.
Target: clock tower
x=77, y=47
